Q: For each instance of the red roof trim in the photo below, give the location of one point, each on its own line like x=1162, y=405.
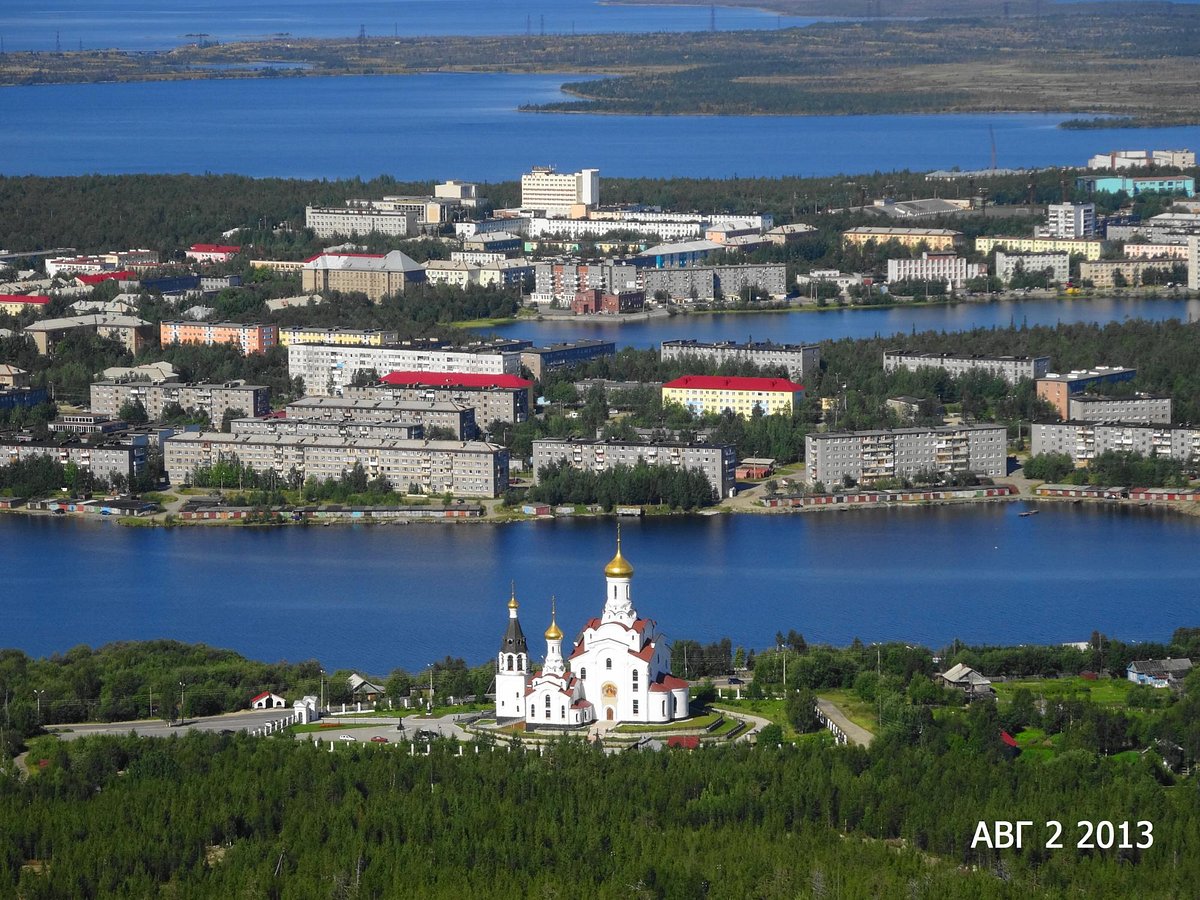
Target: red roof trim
x=731, y=383
x=98, y=277
x=24, y=298
x=454, y=379
x=260, y=696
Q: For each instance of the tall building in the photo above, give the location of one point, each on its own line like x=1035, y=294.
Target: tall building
x=867, y=457
x=544, y=188
x=617, y=670
x=1071, y=220
x=704, y=394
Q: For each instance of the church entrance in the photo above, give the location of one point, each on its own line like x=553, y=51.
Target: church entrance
x=609, y=716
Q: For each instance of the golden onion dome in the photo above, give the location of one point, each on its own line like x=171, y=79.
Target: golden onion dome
x=512, y=600
x=618, y=566
x=553, y=633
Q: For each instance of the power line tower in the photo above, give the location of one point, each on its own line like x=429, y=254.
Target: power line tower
x=362, y=38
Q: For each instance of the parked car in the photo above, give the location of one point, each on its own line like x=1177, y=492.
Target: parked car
x=379, y=739
x=347, y=737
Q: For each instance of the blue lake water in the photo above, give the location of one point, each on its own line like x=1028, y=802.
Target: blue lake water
x=156, y=24
x=379, y=597
x=833, y=324
x=468, y=126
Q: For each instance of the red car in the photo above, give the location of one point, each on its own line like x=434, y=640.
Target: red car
x=379, y=739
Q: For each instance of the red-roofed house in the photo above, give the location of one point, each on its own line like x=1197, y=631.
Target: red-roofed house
x=14, y=303
x=212, y=253
x=267, y=700
x=717, y=393
x=99, y=277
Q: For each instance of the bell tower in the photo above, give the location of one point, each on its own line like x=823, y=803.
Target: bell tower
x=512, y=667
x=618, y=598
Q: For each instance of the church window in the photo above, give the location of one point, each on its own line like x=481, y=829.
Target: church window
x=608, y=663
x=510, y=662
x=664, y=712
x=635, y=681
x=635, y=707
x=547, y=706
x=563, y=712
x=582, y=674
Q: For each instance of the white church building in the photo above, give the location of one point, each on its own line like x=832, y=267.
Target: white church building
x=618, y=669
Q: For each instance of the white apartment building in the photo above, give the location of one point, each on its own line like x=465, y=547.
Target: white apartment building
x=1148, y=409
x=1009, y=264
x=954, y=270
x=1084, y=441
x=1193, y=261
x=800, y=360
x=1070, y=220
x=327, y=369
x=462, y=468
x=578, y=229
x=871, y=456
x=1139, y=159
x=544, y=188
x=330, y=221
x=1011, y=368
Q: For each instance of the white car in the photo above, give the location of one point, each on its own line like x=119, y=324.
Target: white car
x=347, y=737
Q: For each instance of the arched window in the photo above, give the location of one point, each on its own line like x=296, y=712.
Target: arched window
x=510, y=662
x=635, y=707
x=635, y=681
x=608, y=663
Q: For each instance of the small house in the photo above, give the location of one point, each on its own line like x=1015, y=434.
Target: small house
x=267, y=700
x=363, y=690
x=1159, y=673
x=964, y=678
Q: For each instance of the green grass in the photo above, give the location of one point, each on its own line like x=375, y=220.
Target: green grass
x=318, y=727
x=854, y=708
x=695, y=722
x=1102, y=691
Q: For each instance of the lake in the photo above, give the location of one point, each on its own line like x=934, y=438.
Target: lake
x=833, y=324
x=379, y=597
x=158, y=24
x=468, y=126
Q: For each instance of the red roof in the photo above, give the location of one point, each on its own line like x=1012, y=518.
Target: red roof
x=645, y=654
x=24, y=298
x=684, y=741
x=258, y=697
x=455, y=379
x=106, y=276
x=215, y=248
x=1008, y=739
x=730, y=383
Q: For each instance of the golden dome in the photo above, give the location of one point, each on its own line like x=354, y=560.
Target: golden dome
x=512, y=600
x=618, y=566
x=553, y=633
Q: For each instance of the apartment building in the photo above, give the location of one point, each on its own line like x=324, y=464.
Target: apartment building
x=1057, y=389
x=251, y=338
x=718, y=462
x=954, y=270
x=1070, y=220
x=541, y=361
x=1009, y=264
x=15, y=303
x=382, y=429
x=377, y=275
x=460, y=468
x=458, y=419
x=1116, y=160
x=335, y=221
x=705, y=283
x=800, y=360
x=594, y=301
x=1105, y=273
x=104, y=456
x=1011, y=368
x=542, y=188
x=132, y=333
x=345, y=337
x=503, y=398
x=1193, y=261
x=717, y=393
x=867, y=457
x=1084, y=441
x=328, y=369
x=107, y=398
x=212, y=253
x=1148, y=409
x=1137, y=184
x=1088, y=248
x=931, y=238
x=560, y=280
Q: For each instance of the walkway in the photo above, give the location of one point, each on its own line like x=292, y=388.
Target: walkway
x=855, y=734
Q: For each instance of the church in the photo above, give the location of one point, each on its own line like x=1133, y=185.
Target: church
x=617, y=670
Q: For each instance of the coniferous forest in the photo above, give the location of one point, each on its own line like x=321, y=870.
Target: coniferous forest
x=232, y=816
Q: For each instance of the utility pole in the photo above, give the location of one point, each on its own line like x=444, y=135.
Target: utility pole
x=39, y=693
x=182, y=685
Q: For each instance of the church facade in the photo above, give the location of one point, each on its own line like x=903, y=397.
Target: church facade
x=617, y=669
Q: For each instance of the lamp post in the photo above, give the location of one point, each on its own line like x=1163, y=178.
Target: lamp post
x=38, y=693
x=182, y=685
x=783, y=655
x=430, y=707
x=322, y=708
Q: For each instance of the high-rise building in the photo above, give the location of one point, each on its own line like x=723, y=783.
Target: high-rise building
x=545, y=189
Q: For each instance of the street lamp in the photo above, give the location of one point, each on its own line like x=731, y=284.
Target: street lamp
x=38, y=693
x=322, y=707
x=784, y=656
x=182, y=685
x=431, y=687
